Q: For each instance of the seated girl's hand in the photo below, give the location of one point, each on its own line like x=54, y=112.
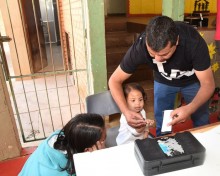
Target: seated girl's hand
x=99, y=145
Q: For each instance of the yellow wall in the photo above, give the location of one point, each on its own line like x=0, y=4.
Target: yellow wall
x=139, y=7
x=145, y=6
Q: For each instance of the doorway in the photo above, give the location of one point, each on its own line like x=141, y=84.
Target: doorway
x=46, y=98
x=43, y=35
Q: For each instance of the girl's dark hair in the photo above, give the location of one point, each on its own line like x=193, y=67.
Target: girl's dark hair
x=159, y=31
x=81, y=132
x=127, y=88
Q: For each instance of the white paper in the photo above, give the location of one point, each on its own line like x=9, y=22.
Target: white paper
x=166, y=119
x=121, y=160
x=114, y=161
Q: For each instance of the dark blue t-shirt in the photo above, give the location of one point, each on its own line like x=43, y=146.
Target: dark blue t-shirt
x=191, y=54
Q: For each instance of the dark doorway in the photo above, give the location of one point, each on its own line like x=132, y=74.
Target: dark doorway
x=34, y=34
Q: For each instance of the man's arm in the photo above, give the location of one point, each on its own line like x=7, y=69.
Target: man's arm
x=206, y=90
x=115, y=84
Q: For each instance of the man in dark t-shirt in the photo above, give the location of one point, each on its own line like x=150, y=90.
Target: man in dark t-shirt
x=180, y=60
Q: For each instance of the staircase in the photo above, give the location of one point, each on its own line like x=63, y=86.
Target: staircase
x=118, y=41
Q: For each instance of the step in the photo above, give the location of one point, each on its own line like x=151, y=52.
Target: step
x=116, y=33
x=148, y=86
x=115, y=26
x=115, y=55
x=119, y=40
x=117, y=49
x=116, y=18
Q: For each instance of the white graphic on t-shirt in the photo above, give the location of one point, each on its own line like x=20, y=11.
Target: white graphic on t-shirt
x=175, y=74
x=159, y=65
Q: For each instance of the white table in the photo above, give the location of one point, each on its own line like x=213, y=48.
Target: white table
x=121, y=161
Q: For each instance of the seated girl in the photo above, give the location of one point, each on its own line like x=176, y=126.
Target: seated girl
x=54, y=156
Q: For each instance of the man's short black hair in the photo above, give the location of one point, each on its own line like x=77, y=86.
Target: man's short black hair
x=159, y=31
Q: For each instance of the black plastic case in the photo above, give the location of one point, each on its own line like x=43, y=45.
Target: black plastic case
x=153, y=160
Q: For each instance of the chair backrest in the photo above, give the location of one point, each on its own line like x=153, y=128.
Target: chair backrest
x=102, y=103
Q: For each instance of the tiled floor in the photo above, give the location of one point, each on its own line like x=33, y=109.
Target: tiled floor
x=45, y=104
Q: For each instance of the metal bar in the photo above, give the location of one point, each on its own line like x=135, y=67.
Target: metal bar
x=85, y=23
x=5, y=39
x=39, y=46
x=52, y=59
x=38, y=38
x=38, y=107
x=48, y=73
x=67, y=87
x=61, y=41
x=25, y=36
x=48, y=31
x=44, y=75
x=47, y=108
x=25, y=95
x=74, y=48
x=3, y=57
x=10, y=82
x=48, y=101
x=39, y=139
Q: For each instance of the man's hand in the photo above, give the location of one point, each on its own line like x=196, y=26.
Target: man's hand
x=134, y=119
x=180, y=114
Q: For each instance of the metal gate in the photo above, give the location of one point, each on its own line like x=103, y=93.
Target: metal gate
x=47, y=97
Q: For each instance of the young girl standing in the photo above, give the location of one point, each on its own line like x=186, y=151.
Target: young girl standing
x=135, y=97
